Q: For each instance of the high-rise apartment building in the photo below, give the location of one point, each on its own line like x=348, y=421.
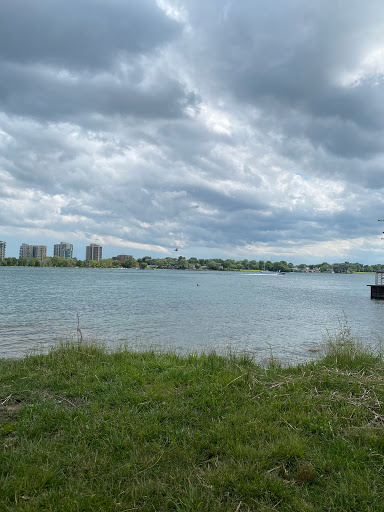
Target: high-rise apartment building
x=93, y=252
x=26, y=251
x=33, y=251
x=40, y=252
x=63, y=249
x=2, y=250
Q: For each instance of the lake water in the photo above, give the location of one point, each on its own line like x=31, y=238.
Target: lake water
x=259, y=313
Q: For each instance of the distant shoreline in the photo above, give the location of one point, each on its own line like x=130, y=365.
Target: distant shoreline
x=185, y=269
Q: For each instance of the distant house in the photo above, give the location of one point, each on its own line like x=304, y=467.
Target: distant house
x=122, y=257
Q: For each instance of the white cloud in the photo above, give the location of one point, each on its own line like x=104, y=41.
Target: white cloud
x=331, y=250
x=120, y=242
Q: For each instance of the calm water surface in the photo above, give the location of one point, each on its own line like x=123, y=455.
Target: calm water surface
x=259, y=313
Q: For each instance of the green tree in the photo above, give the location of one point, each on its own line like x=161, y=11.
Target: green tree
x=253, y=265
x=281, y=266
x=182, y=263
x=229, y=264
x=11, y=262
x=213, y=265
x=55, y=261
x=131, y=263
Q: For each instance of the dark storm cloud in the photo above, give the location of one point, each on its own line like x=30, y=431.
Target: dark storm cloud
x=81, y=35
x=42, y=94
x=68, y=61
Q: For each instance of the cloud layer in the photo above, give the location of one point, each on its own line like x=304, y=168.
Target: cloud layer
x=228, y=129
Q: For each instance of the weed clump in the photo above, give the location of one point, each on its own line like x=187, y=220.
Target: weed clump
x=344, y=350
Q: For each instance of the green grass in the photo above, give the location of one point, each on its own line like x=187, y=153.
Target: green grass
x=82, y=429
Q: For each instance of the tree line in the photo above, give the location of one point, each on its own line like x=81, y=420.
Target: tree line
x=183, y=263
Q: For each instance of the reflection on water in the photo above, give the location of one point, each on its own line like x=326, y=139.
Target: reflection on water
x=260, y=313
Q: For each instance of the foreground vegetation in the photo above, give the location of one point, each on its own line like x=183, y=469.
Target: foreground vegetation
x=87, y=430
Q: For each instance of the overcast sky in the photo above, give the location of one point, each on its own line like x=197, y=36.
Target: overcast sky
x=234, y=129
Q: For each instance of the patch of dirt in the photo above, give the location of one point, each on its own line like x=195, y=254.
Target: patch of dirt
x=9, y=409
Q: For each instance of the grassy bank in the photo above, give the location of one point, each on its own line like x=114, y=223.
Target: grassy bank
x=85, y=430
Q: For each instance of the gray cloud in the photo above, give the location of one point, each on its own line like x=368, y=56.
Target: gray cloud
x=67, y=62
x=89, y=35
x=44, y=95
x=290, y=61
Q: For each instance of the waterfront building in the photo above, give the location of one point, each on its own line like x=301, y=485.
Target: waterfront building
x=93, y=252
x=40, y=252
x=63, y=249
x=26, y=251
x=122, y=257
x=2, y=250
x=33, y=251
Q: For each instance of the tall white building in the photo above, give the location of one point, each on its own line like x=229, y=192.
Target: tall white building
x=63, y=249
x=2, y=250
x=93, y=252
